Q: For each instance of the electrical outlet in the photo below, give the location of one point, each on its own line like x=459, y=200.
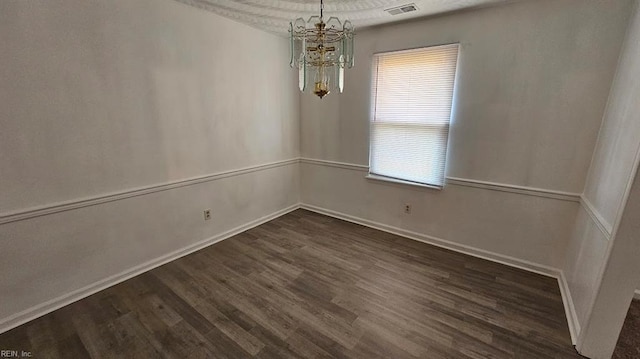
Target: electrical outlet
x=407, y=208
x=207, y=214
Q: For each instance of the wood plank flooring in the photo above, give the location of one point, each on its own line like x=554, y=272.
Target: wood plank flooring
x=310, y=286
x=628, y=346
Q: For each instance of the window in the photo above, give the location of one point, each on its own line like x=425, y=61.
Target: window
x=412, y=97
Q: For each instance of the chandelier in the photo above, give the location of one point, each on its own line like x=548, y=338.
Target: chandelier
x=321, y=51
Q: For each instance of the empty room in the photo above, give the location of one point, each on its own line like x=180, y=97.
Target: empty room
x=319, y=179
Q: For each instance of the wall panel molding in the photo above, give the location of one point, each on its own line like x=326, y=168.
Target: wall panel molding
x=20, y=215
x=502, y=187
x=596, y=217
x=466, y=182
x=343, y=165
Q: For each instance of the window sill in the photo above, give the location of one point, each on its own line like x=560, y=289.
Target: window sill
x=401, y=182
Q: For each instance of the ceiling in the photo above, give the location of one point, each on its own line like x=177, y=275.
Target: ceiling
x=274, y=15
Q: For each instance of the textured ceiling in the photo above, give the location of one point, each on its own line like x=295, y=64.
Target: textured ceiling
x=274, y=15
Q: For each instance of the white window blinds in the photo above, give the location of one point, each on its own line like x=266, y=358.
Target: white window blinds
x=412, y=96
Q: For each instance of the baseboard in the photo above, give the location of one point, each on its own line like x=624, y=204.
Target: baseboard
x=50, y=306
x=569, y=308
x=636, y=294
x=56, y=303
x=570, y=312
x=439, y=242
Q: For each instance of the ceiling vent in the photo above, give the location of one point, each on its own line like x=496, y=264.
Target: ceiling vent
x=402, y=9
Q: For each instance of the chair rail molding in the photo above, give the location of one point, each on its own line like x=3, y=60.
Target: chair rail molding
x=20, y=215
x=466, y=182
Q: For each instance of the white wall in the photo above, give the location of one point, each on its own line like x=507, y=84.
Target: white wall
x=521, y=229
x=586, y=252
x=174, y=90
x=608, y=178
x=528, y=106
x=619, y=138
x=103, y=100
x=608, y=185
x=617, y=281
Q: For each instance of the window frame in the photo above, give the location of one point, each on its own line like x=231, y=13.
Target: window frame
x=372, y=97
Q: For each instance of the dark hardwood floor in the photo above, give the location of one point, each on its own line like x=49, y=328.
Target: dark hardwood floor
x=307, y=285
x=628, y=346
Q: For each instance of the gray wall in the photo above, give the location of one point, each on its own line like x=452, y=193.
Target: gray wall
x=617, y=281
x=100, y=102
x=609, y=183
x=122, y=120
x=533, y=81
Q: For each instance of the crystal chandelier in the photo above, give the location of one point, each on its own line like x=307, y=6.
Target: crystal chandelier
x=321, y=51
